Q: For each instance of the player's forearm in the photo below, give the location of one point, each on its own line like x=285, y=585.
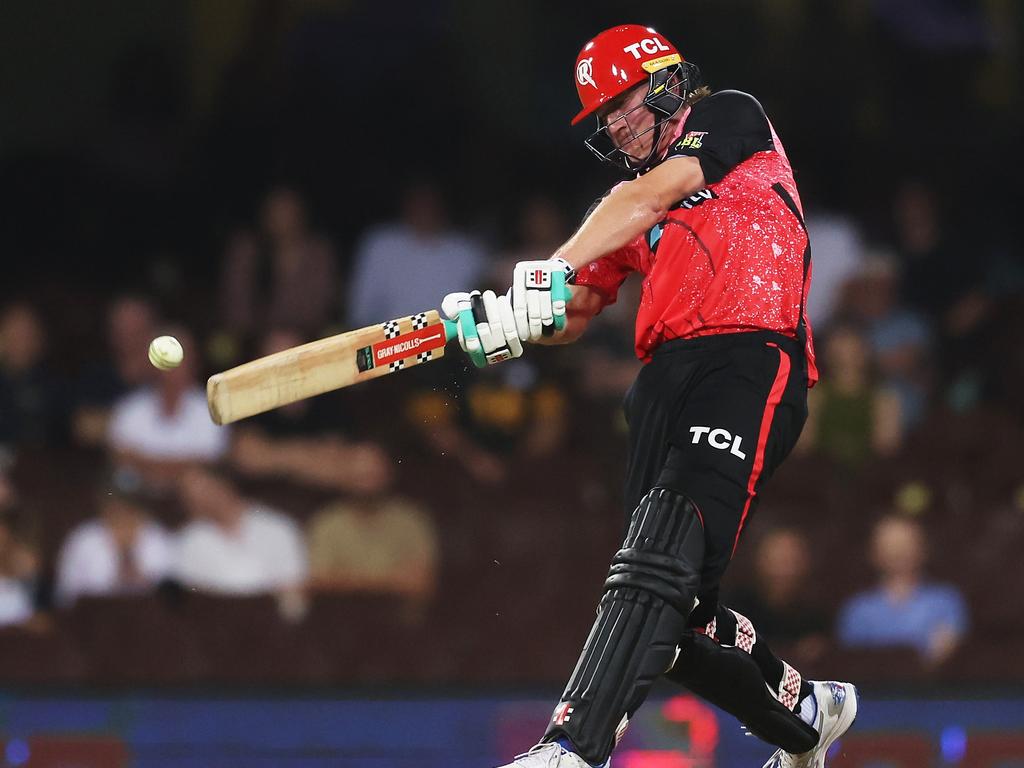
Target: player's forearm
x=627, y=212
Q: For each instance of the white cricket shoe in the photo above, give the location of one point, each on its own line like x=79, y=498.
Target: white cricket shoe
x=549, y=756
x=837, y=709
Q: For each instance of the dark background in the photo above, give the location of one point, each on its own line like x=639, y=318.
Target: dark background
x=137, y=137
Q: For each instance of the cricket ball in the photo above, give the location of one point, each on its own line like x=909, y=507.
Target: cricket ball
x=165, y=352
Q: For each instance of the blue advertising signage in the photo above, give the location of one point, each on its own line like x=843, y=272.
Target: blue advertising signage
x=675, y=732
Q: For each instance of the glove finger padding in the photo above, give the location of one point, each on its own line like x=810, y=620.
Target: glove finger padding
x=509, y=326
x=452, y=305
x=485, y=326
x=491, y=336
x=501, y=326
x=560, y=296
x=539, y=297
x=533, y=314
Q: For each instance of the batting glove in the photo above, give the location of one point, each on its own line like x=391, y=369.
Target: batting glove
x=487, y=327
x=539, y=297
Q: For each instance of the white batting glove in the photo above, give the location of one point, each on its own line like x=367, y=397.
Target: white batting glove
x=539, y=297
x=487, y=327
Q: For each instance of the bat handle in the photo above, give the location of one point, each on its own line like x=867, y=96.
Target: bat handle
x=451, y=330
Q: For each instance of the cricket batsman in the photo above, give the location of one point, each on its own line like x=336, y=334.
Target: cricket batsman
x=711, y=217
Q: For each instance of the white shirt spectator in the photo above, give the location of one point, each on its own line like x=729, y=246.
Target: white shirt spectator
x=15, y=602
x=265, y=553
x=397, y=272
x=837, y=254
x=140, y=424
x=89, y=563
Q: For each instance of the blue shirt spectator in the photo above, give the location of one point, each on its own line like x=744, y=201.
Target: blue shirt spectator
x=404, y=267
x=876, y=618
x=904, y=610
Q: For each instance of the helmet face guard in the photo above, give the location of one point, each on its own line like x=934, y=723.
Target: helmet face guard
x=667, y=92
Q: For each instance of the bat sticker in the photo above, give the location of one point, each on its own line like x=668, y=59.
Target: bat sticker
x=364, y=359
x=407, y=345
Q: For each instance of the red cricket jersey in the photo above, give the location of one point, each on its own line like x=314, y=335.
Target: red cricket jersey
x=732, y=258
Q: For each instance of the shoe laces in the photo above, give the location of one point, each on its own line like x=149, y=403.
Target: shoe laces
x=553, y=749
x=782, y=760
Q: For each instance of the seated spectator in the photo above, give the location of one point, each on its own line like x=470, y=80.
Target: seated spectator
x=284, y=274
x=19, y=563
x=777, y=600
x=850, y=417
x=900, y=337
x=302, y=443
x=936, y=279
x=157, y=429
x=904, y=609
x=232, y=545
x=838, y=256
x=374, y=544
x=423, y=249
x=610, y=364
x=131, y=325
x=120, y=551
x=31, y=410
x=505, y=412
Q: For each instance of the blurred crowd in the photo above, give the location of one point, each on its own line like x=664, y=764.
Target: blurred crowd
x=245, y=211
x=352, y=492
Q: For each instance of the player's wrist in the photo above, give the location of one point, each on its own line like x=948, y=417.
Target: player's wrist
x=566, y=266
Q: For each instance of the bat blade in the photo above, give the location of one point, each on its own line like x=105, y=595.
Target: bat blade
x=325, y=365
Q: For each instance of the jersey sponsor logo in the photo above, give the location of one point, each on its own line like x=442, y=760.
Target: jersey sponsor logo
x=649, y=45
x=696, y=199
x=563, y=714
x=692, y=140
x=407, y=344
x=585, y=72
x=720, y=439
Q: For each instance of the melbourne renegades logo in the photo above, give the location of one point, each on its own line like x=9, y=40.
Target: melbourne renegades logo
x=563, y=714
x=585, y=72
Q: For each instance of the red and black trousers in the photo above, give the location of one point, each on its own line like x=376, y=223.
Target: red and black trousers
x=712, y=418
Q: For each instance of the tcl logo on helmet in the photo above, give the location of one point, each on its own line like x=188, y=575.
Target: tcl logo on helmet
x=647, y=45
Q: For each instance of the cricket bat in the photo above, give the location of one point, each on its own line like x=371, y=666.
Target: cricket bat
x=327, y=364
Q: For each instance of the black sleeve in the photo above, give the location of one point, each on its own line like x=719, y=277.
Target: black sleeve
x=722, y=131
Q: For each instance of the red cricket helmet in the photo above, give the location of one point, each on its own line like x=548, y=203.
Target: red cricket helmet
x=621, y=58
x=616, y=60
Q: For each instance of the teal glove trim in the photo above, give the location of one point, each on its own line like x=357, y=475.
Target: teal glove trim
x=469, y=332
x=560, y=292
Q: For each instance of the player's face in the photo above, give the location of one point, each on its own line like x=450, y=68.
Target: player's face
x=629, y=127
